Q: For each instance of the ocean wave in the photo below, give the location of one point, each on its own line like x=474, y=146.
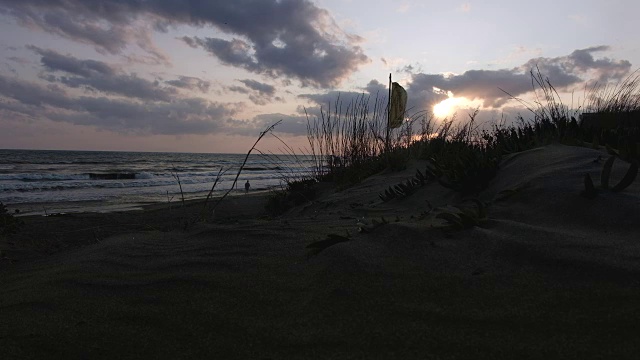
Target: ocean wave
x=112, y=176
x=43, y=177
x=145, y=180
x=251, y=168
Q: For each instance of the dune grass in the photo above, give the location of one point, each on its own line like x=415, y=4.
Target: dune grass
x=617, y=98
x=347, y=142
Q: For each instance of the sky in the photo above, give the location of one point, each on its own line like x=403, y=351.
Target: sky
x=209, y=76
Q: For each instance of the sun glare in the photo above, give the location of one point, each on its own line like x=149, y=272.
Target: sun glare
x=444, y=108
x=447, y=107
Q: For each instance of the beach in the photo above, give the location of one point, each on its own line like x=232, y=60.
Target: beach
x=547, y=274
x=42, y=182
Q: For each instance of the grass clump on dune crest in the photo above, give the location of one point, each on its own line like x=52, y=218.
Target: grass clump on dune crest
x=590, y=190
x=612, y=117
x=350, y=143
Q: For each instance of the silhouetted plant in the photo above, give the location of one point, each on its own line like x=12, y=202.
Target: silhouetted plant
x=465, y=217
x=590, y=190
x=277, y=203
x=235, y=180
x=296, y=193
x=404, y=189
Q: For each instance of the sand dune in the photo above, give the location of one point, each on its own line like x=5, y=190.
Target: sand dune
x=550, y=274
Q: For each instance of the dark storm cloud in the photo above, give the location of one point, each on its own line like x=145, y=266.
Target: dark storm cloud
x=179, y=116
x=563, y=72
x=279, y=38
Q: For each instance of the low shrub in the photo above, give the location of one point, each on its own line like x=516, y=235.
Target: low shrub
x=296, y=193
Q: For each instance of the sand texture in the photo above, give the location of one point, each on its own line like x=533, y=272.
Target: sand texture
x=549, y=274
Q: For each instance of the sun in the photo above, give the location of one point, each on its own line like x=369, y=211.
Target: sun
x=444, y=108
x=449, y=106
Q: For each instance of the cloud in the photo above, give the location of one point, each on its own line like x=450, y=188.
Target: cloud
x=278, y=38
x=54, y=61
x=426, y=90
x=190, y=83
x=581, y=61
x=295, y=125
x=99, y=76
x=272, y=38
x=259, y=93
x=32, y=94
x=374, y=87
x=23, y=99
x=239, y=89
x=485, y=85
x=372, y=97
x=123, y=85
x=142, y=107
x=234, y=52
x=103, y=25
x=473, y=84
x=262, y=88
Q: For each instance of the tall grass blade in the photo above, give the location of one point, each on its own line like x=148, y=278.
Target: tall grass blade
x=606, y=172
x=628, y=178
x=235, y=181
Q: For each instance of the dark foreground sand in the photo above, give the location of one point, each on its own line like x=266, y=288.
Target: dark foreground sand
x=550, y=275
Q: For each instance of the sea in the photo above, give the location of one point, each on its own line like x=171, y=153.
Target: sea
x=46, y=182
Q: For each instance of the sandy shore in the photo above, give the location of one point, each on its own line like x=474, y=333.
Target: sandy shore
x=549, y=274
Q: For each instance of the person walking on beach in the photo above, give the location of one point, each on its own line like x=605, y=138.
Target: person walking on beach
x=247, y=186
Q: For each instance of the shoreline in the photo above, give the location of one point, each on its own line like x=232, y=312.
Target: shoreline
x=104, y=207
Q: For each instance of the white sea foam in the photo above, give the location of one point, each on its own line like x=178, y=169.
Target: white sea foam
x=64, y=176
